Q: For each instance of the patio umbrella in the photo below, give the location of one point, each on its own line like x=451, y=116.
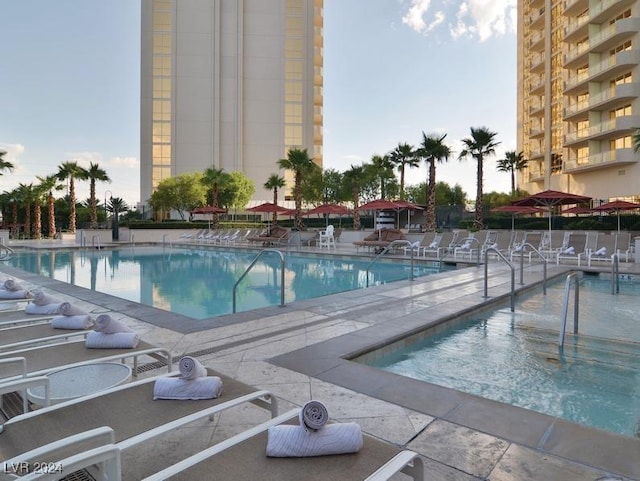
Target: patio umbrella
x=269, y=208
x=616, y=206
x=209, y=209
x=378, y=204
x=578, y=210
x=549, y=199
x=517, y=209
x=328, y=209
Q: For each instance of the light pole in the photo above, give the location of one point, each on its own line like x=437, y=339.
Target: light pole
x=106, y=212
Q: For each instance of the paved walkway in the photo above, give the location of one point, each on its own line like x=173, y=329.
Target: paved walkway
x=301, y=352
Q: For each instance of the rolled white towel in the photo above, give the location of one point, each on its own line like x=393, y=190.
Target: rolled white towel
x=569, y=250
x=466, y=245
x=313, y=416
x=42, y=299
x=119, y=340
x=68, y=309
x=107, y=325
x=82, y=321
x=21, y=294
x=433, y=245
x=601, y=252
x=415, y=244
x=12, y=285
x=286, y=441
x=518, y=247
x=190, y=368
x=208, y=387
x=494, y=245
x=33, y=308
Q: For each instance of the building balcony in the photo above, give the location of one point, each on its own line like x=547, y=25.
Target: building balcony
x=614, y=34
x=536, y=20
x=536, y=41
x=577, y=56
x=576, y=84
x=576, y=28
x=603, y=160
x=604, y=130
x=537, y=63
x=611, y=97
x=576, y=111
x=603, y=10
x=537, y=85
x=535, y=175
x=536, y=155
x=536, y=110
x=536, y=132
x=575, y=7
x=612, y=66
x=536, y=3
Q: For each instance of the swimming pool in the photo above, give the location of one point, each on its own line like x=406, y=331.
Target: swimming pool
x=514, y=357
x=198, y=283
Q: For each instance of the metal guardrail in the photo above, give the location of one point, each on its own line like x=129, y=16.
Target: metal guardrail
x=571, y=279
x=166, y=240
x=95, y=242
x=486, y=275
x=470, y=241
x=615, y=274
x=386, y=249
x=5, y=252
x=253, y=262
x=544, y=264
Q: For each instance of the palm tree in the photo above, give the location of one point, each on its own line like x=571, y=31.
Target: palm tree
x=403, y=156
x=217, y=179
x=512, y=163
x=300, y=163
x=25, y=196
x=4, y=164
x=50, y=183
x=352, y=179
x=71, y=171
x=116, y=205
x=481, y=144
x=433, y=148
x=274, y=183
x=382, y=169
x=95, y=173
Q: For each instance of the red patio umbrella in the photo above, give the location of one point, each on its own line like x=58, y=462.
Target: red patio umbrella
x=516, y=209
x=578, y=210
x=271, y=208
x=616, y=206
x=328, y=209
x=551, y=198
x=209, y=209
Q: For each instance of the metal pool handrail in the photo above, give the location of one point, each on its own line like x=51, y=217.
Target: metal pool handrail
x=386, y=249
x=571, y=279
x=253, y=262
x=486, y=275
x=544, y=263
x=5, y=252
x=615, y=274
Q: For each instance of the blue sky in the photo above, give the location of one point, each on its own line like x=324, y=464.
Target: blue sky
x=69, y=84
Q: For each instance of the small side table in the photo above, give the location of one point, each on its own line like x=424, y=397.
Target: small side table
x=78, y=381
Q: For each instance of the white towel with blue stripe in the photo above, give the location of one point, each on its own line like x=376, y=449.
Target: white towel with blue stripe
x=208, y=387
x=21, y=294
x=107, y=325
x=68, y=309
x=12, y=285
x=83, y=321
x=191, y=368
x=286, y=441
x=33, y=308
x=119, y=340
x=42, y=299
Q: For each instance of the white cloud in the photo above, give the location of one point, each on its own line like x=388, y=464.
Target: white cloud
x=84, y=158
x=129, y=162
x=480, y=19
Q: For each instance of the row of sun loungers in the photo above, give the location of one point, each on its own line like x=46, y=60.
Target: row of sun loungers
x=100, y=432
x=219, y=236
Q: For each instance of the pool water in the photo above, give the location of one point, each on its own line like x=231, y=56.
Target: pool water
x=198, y=283
x=514, y=357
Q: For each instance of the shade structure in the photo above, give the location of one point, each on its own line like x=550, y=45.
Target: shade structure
x=209, y=209
x=379, y=204
x=517, y=209
x=271, y=208
x=551, y=198
x=616, y=206
x=578, y=210
x=405, y=205
x=328, y=209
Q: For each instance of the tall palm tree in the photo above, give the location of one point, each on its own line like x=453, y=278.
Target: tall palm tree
x=274, y=183
x=299, y=162
x=70, y=171
x=25, y=196
x=95, y=173
x=216, y=179
x=4, y=164
x=512, y=163
x=382, y=169
x=431, y=150
x=116, y=205
x=50, y=183
x=481, y=144
x=352, y=179
x=403, y=156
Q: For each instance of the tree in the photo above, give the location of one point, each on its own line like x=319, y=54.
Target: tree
x=512, y=163
x=95, y=173
x=274, y=183
x=403, y=156
x=352, y=179
x=381, y=169
x=180, y=193
x=71, y=171
x=25, y=195
x=239, y=190
x=4, y=164
x=431, y=150
x=481, y=144
x=299, y=162
x=218, y=179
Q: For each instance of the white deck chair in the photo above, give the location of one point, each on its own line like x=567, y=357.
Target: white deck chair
x=605, y=248
x=417, y=248
x=433, y=248
x=576, y=250
x=623, y=245
x=326, y=239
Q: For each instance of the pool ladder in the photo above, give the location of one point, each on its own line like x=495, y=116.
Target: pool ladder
x=575, y=280
x=386, y=249
x=253, y=262
x=5, y=252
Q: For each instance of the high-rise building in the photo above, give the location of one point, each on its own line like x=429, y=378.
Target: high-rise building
x=579, y=96
x=229, y=84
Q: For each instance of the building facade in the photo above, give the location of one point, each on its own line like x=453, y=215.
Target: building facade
x=579, y=96
x=229, y=84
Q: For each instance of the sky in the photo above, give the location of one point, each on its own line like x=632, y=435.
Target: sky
x=393, y=69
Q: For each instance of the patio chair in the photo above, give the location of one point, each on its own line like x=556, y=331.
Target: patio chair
x=624, y=247
x=29, y=333
x=326, y=239
x=605, y=248
x=531, y=238
x=417, y=248
x=243, y=457
x=465, y=245
x=113, y=408
x=576, y=250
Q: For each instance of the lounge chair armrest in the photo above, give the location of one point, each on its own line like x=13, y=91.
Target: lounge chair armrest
x=15, y=360
x=406, y=462
x=22, y=385
x=99, y=436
